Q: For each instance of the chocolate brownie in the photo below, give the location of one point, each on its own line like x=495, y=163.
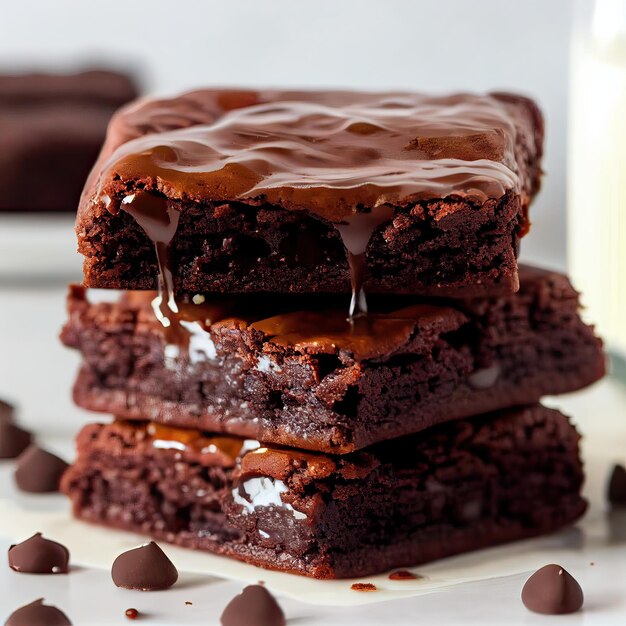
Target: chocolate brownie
x=51, y=130
x=248, y=191
x=456, y=487
x=307, y=378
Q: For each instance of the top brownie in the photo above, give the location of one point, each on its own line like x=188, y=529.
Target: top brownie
x=52, y=127
x=251, y=191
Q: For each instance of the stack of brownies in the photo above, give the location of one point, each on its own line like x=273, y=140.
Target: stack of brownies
x=325, y=359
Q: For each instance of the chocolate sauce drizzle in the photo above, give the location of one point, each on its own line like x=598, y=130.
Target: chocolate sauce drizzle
x=347, y=158
x=356, y=233
x=159, y=221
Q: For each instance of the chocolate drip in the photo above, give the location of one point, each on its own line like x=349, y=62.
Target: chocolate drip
x=356, y=233
x=159, y=221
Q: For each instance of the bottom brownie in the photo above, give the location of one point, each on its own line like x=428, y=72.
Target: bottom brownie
x=461, y=486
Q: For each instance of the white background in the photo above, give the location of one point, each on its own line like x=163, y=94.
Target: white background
x=429, y=45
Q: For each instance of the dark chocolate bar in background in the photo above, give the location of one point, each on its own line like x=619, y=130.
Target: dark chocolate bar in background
x=308, y=379
x=52, y=127
x=457, y=487
x=260, y=190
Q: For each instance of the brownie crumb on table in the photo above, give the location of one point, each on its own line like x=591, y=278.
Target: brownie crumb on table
x=403, y=575
x=363, y=587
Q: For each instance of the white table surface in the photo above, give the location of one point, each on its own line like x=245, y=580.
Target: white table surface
x=37, y=373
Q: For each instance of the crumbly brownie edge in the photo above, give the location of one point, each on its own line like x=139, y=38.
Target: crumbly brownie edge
x=446, y=247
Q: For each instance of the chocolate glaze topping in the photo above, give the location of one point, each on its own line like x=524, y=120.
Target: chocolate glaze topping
x=346, y=157
x=323, y=330
x=332, y=153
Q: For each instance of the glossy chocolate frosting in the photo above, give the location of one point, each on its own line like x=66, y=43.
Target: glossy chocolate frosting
x=331, y=153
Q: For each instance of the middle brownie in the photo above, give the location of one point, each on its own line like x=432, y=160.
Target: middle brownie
x=312, y=380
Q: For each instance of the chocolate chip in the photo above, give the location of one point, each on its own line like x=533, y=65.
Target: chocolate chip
x=13, y=439
x=38, y=613
x=38, y=555
x=254, y=606
x=7, y=411
x=617, y=485
x=552, y=591
x=39, y=471
x=146, y=568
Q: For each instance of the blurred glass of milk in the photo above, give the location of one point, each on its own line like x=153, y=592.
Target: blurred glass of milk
x=597, y=166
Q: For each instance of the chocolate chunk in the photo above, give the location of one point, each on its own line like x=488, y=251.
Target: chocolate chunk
x=38, y=555
x=254, y=606
x=7, y=411
x=617, y=486
x=552, y=591
x=38, y=614
x=146, y=568
x=39, y=471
